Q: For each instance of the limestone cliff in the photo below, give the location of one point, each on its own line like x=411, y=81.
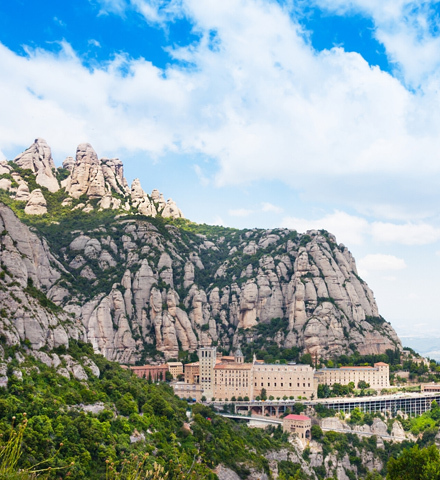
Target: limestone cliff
x=139, y=283
x=28, y=270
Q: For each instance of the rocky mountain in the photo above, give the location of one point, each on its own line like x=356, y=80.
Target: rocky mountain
x=122, y=269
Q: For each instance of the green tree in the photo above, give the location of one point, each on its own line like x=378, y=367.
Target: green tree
x=362, y=385
x=415, y=464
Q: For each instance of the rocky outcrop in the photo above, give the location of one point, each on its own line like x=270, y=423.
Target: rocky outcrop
x=36, y=204
x=27, y=270
x=89, y=179
x=38, y=158
x=87, y=176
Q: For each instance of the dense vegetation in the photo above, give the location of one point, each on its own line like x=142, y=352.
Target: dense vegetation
x=84, y=445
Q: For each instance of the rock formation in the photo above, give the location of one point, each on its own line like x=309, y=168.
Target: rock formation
x=36, y=204
x=38, y=158
x=140, y=286
x=27, y=270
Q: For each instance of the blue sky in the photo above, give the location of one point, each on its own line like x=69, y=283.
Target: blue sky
x=317, y=114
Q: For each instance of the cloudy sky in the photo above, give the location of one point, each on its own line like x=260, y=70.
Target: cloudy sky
x=252, y=113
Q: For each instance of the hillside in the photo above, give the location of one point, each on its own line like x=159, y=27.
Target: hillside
x=86, y=257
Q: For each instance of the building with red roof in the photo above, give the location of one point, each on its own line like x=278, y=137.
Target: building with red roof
x=299, y=425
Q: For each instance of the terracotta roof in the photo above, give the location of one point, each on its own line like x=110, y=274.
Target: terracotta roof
x=194, y=364
x=302, y=418
x=174, y=364
x=381, y=363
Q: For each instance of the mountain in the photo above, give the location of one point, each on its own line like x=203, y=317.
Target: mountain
x=86, y=256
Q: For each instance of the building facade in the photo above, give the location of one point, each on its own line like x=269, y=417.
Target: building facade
x=150, y=372
x=226, y=377
x=284, y=380
x=233, y=377
x=377, y=377
x=299, y=425
x=175, y=368
x=207, y=361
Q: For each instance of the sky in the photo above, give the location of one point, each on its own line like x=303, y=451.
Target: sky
x=252, y=113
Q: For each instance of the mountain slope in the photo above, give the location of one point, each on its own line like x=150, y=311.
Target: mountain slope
x=138, y=281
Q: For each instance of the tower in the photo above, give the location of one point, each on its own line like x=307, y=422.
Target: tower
x=207, y=358
x=238, y=356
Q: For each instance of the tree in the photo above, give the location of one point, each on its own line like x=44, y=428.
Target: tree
x=362, y=385
x=323, y=391
x=356, y=416
x=263, y=394
x=306, y=359
x=316, y=432
x=415, y=464
x=168, y=376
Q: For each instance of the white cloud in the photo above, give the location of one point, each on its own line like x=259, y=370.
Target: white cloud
x=240, y=212
x=406, y=234
x=94, y=43
x=269, y=207
x=406, y=28
x=261, y=102
x=348, y=228
x=380, y=262
x=355, y=230
x=203, y=179
x=219, y=221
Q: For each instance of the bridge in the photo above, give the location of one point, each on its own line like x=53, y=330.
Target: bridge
x=255, y=420
x=271, y=408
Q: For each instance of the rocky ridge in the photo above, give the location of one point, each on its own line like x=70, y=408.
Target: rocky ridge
x=86, y=183
x=144, y=282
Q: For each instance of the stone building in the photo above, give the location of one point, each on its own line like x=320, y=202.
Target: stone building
x=281, y=380
x=377, y=377
x=187, y=390
x=225, y=377
x=233, y=378
x=175, y=368
x=299, y=425
x=153, y=372
x=207, y=361
x=191, y=373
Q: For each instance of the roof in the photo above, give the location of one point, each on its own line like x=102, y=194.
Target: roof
x=150, y=367
x=381, y=364
x=175, y=364
x=233, y=366
x=301, y=418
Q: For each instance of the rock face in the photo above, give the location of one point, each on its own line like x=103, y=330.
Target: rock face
x=36, y=204
x=28, y=269
x=153, y=287
x=141, y=286
x=38, y=158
